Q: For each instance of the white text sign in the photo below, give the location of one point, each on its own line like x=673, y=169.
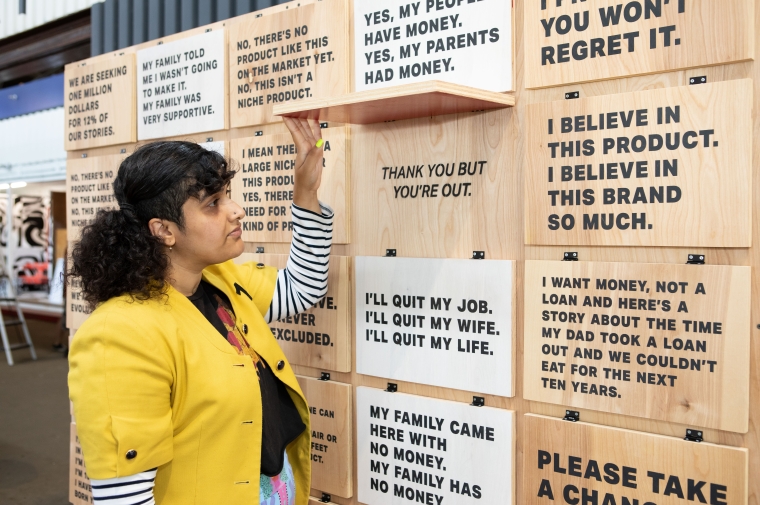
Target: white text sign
x=413, y=449
x=443, y=322
x=181, y=87
x=464, y=42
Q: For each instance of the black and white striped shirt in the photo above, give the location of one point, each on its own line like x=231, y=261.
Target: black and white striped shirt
x=299, y=286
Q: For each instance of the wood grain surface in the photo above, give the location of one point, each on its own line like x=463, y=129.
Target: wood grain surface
x=79, y=484
x=425, y=99
x=653, y=168
x=89, y=188
x=602, y=39
x=659, y=341
x=99, y=101
x=77, y=310
x=571, y=460
x=293, y=55
x=264, y=184
x=332, y=448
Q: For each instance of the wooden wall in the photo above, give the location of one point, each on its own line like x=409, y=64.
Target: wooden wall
x=492, y=220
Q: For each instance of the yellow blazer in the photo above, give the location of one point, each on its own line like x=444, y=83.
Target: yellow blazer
x=157, y=378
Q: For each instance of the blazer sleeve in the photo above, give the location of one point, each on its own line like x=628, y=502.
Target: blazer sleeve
x=120, y=381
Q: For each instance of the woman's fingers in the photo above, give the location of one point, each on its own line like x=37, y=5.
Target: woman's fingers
x=312, y=167
x=308, y=169
x=316, y=129
x=303, y=125
x=301, y=133
x=295, y=130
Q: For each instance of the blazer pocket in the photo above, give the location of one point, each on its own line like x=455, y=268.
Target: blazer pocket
x=142, y=444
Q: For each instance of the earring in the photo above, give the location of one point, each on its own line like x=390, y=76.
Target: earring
x=170, y=248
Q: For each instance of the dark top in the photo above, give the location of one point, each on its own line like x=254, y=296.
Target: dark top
x=281, y=422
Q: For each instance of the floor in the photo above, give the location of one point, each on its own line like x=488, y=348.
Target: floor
x=34, y=423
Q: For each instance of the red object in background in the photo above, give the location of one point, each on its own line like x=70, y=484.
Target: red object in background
x=34, y=274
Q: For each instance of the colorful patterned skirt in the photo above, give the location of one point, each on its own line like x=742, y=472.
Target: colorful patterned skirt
x=279, y=490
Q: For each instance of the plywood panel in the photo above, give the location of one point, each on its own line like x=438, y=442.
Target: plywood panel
x=99, y=103
x=437, y=187
x=316, y=501
x=332, y=449
x=80, y=492
x=89, y=188
x=321, y=336
x=264, y=185
x=292, y=55
x=584, y=41
x=432, y=451
x=182, y=86
x=666, y=167
x=399, y=42
x=573, y=459
x=443, y=322
x=77, y=310
x=660, y=341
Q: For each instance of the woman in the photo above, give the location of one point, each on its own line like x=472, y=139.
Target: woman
x=181, y=394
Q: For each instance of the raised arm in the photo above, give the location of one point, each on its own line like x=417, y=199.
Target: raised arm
x=304, y=280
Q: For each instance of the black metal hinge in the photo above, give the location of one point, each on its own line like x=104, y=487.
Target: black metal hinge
x=392, y=387
x=693, y=435
x=572, y=415
x=570, y=256
x=696, y=259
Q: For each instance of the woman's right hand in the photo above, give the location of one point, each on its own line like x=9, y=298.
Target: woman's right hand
x=307, y=174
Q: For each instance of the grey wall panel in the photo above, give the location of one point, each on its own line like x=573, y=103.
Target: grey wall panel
x=96, y=30
x=139, y=21
x=124, y=23
x=225, y=9
x=110, y=26
x=189, y=14
x=121, y=23
x=206, y=12
x=243, y=7
x=155, y=19
x=171, y=17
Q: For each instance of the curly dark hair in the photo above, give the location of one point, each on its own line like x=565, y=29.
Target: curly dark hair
x=117, y=254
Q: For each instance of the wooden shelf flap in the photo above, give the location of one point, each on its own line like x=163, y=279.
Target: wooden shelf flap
x=432, y=98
